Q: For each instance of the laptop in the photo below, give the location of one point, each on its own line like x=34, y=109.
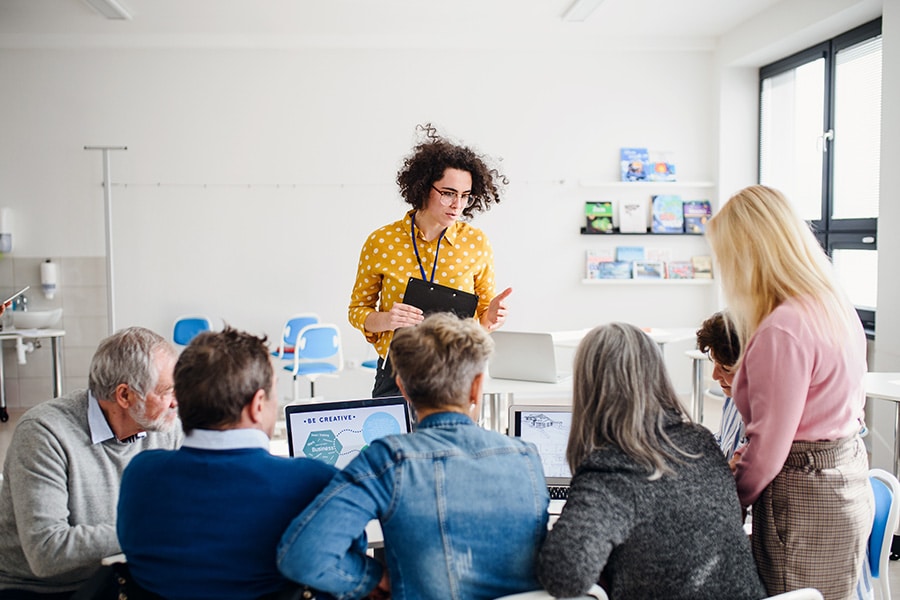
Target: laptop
x=525, y=356
x=336, y=432
x=547, y=427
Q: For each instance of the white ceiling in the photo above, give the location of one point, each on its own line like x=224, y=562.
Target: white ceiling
x=368, y=23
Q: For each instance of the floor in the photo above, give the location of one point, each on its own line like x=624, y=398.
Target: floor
x=711, y=411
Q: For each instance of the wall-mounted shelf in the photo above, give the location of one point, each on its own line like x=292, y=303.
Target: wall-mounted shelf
x=652, y=185
x=616, y=231
x=648, y=281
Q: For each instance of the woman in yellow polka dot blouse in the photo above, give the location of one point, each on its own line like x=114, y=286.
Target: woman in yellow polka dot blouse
x=446, y=185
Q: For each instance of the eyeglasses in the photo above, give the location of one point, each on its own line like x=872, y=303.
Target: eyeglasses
x=448, y=196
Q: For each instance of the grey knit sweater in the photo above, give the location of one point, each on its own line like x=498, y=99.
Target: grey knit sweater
x=59, y=494
x=678, y=537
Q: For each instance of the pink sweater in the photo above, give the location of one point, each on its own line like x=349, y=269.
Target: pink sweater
x=793, y=385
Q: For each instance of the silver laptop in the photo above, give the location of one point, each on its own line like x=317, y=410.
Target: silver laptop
x=525, y=356
x=547, y=427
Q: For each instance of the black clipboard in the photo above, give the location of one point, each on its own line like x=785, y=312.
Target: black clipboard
x=434, y=297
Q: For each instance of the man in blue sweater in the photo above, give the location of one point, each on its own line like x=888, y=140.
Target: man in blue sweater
x=203, y=521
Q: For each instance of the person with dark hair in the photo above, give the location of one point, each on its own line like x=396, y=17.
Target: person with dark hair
x=718, y=338
x=652, y=510
x=65, y=461
x=446, y=185
x=204, y=521
x=463, y=509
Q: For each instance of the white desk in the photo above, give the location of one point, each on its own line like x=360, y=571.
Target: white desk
x=56, y=357
x=886, y=386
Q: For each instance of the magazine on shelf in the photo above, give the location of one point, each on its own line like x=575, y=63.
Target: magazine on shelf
x=702, y=267
x=648, y=269
x=629, y=253
x=616, y=269
x=633, y=215
x=661, y=167
x=593, y=258
x=634, y=163
x=599, y=217
x=680, y=269
x=696, y=215
x=668, y=214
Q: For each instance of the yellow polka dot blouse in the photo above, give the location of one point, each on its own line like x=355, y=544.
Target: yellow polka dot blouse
x=387, y=261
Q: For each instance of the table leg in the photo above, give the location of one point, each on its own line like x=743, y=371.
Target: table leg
x=896, y=439
x=697, y=390
x=57, y=367
x=4, y=414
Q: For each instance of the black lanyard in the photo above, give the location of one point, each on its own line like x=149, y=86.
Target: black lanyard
x=412, y=232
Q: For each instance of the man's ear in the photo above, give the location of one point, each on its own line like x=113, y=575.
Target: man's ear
x=124, y=396
x=256, y=408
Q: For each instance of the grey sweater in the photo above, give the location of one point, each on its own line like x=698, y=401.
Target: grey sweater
x=678, y=537
x=59, y=494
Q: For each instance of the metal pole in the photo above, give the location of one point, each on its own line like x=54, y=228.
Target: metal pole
x=107, y=201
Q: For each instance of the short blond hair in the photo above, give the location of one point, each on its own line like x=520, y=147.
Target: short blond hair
x=766, y=254
x=438, y=359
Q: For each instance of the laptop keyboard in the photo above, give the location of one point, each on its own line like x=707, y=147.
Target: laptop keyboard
x=558, y=492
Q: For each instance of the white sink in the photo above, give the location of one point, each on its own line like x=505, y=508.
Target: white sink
x=36, y=319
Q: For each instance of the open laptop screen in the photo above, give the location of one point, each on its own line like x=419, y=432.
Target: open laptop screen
x=336, y=432
x=547, y=427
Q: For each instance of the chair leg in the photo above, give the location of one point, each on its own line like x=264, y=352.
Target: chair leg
x=296, y=393
x=312, y=388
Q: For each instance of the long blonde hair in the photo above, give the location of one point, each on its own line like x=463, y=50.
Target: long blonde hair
x=767, y=254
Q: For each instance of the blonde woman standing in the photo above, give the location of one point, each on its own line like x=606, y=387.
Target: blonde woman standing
x=799, y=388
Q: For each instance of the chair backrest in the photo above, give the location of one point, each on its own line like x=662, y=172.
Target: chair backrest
x=886, y=489
x=317, y=342
x=188, y=326
x=290, y=330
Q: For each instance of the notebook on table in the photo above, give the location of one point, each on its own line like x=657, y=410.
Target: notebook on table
x=336, y=432
x=525, y=356
x=547, y=427
x=434, y=297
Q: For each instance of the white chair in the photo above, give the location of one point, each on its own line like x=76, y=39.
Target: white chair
x=317, y=352
x=804, y=594
x=886, y=489
x=595, y=593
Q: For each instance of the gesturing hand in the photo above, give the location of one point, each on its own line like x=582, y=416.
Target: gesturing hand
x=495, y=315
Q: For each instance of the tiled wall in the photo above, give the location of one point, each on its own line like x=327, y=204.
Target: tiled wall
x=81, y=294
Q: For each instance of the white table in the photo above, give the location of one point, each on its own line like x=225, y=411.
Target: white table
x=20, y=335
x=886, y=386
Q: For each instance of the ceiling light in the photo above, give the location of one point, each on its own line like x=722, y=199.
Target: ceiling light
x=111, y=9
x=580, y=10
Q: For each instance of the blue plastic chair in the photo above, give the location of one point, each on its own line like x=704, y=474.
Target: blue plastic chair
x=317, y=352
x=886, y=489
x=187, y=327
x=289, y=333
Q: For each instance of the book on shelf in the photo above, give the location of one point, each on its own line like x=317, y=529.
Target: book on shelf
x=680, y=269
x=592, y=261
x=634, y=163
x=661, y=167
x=662, y=255
x=648, y=269
x=668, y=214
x=702, y=267
x=616, y=269
x=629, y=253
x=599, y=217
x=696, y=215
x=633, y=216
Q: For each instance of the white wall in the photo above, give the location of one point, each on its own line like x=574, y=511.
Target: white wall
x=252, y=176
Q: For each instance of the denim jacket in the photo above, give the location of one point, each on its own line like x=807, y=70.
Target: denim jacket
x=463, y=511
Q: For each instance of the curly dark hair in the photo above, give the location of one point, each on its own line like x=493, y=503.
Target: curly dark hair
x=427, y=163
x=718, y=336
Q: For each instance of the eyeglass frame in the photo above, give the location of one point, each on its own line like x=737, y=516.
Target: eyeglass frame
x=448, y=196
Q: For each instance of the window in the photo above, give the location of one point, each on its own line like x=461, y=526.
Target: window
x=820, y=143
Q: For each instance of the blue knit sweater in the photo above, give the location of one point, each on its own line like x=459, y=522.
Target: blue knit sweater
x=197, y=523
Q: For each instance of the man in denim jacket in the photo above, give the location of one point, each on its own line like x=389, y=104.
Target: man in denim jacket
x=463, y=509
